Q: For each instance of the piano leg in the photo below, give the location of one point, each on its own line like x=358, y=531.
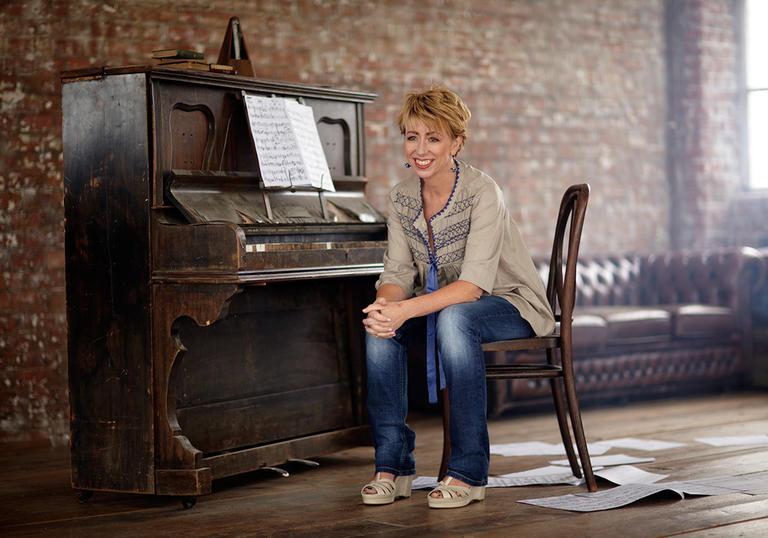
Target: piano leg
x=178, y=464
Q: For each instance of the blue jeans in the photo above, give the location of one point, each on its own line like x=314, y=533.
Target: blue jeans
x=461, y=330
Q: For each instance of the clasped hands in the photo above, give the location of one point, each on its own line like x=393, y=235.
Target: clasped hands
x=384, y=317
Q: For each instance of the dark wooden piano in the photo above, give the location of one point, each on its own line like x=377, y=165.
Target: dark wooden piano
x=214, y=325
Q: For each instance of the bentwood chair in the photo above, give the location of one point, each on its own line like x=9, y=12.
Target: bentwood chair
x=556, y=347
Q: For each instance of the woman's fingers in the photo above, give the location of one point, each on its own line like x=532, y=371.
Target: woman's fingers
x=377, y=315
x=378, y=304
x=377, y=328
x=376, y=323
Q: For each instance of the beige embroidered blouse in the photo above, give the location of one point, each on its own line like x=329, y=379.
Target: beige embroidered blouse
x=475, y=240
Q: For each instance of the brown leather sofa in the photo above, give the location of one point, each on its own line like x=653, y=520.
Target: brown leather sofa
x=653, y=325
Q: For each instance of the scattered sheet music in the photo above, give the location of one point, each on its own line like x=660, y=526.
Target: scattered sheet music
x=602, y=500
x=287, y=143
x=555, y=475
x=542, y=476
x=424, y=482
x=551, y=474
x=537, y=448
x=755, y=484
x=639, y=444
x=611, y=459
x=738, y=440
x=629, y=474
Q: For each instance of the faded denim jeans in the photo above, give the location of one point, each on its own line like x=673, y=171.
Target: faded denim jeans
x=461, y=330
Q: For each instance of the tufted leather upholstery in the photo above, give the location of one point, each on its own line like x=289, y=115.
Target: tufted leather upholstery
x=706, y=277
x=648, y=325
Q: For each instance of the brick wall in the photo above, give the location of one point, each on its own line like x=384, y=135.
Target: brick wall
x=704, y=134
x=561, y=91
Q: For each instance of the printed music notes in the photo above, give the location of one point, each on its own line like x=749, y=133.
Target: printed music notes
x=287, y=143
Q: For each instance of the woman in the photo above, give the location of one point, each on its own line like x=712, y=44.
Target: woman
x=454, y=255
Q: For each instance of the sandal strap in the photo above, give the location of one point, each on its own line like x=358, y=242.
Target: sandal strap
x=452, y=492
x=383, y=486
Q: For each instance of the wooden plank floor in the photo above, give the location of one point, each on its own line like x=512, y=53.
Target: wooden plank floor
x=36, y=497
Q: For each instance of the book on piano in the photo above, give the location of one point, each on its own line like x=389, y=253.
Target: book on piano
x=185, y=54
x=287, y=143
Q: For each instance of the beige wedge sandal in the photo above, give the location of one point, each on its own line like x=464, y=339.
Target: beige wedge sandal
x=387, y=490
x=454, y=496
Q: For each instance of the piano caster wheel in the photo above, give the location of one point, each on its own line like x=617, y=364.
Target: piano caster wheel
x=84, y=495
x=188, y=502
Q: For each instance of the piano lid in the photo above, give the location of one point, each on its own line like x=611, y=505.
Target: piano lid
x=237, y=197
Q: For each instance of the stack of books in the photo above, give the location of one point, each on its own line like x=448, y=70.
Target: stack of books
x=187, y=59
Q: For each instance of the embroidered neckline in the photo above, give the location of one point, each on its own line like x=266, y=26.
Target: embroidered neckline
x=433, y=255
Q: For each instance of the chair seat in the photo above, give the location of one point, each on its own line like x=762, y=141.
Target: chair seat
x=522, y=370
x=549, y=341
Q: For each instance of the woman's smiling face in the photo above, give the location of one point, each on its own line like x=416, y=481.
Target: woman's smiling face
x=429, y=151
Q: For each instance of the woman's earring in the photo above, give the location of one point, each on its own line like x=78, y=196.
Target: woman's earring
x=407, y=165
x=455, y=164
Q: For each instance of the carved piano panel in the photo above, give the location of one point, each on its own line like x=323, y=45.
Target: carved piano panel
x=193, y=135
x=281, y=357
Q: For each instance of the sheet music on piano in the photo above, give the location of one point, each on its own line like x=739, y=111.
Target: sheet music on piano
x=287, y=143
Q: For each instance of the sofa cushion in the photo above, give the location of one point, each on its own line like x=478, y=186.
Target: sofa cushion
x=589, y=332
x=701, y=321
x=633, y=324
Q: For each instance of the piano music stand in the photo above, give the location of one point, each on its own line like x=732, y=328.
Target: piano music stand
x=268, y=205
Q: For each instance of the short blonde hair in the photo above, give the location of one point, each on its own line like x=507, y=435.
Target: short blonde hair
x=439, y=108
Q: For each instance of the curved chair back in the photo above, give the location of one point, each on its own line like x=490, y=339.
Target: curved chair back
x=561, y=286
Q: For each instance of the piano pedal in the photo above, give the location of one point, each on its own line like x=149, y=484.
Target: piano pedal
x=278, y=470
x=308, y=463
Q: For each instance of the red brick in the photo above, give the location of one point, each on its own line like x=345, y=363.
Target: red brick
x=217, y=20
x=188, y=37
x=13, y=9
x=152, y=15
x=55, y=259
x=78, y=63
x=38, y=122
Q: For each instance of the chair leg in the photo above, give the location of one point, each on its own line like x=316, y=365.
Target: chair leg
x=562, y=422
x=446, y=408
x=578, y=430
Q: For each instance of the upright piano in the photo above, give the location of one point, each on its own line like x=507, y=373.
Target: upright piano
x=213, y=324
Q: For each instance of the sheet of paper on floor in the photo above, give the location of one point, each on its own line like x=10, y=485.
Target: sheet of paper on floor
x=625, y=494
x=751, y=484
x=611, y=459
x=639, y=444
x=424, y=482
x=554, y=475
x=543, y=476
x=537, y=448
x=602, y=500
x=549, y=475
x=738, y=440
x=629, y=474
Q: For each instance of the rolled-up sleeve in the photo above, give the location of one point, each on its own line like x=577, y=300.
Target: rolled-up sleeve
x=399, y=266
x=484, y=242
